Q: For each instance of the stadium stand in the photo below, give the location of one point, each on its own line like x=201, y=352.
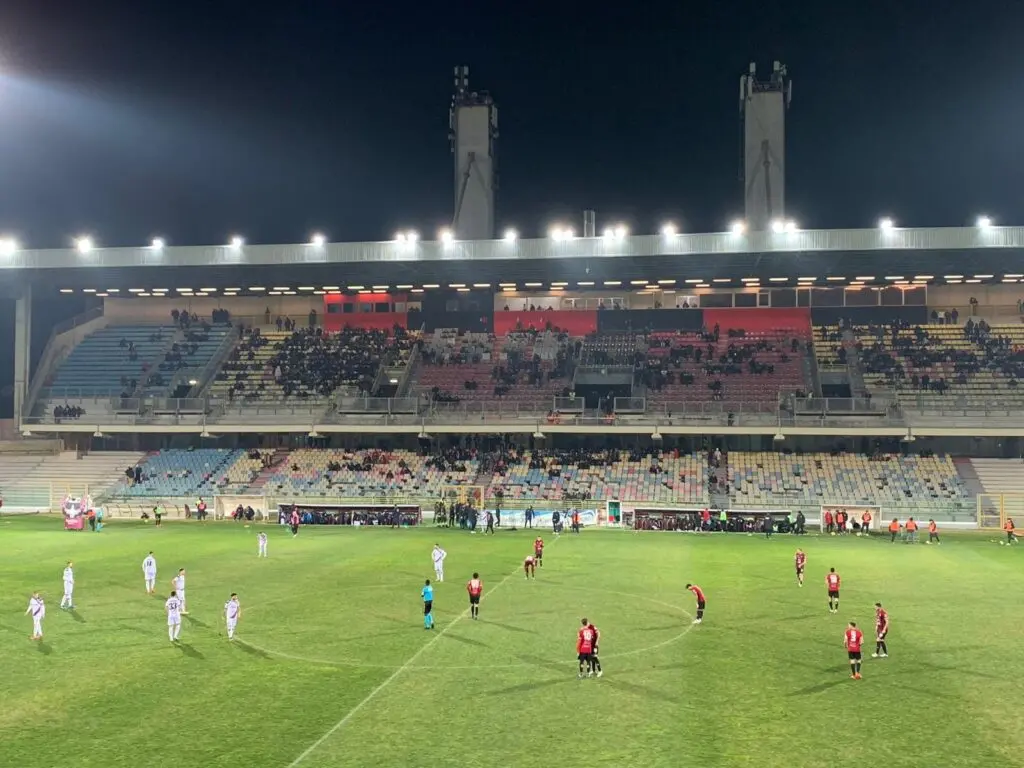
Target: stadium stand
x=829, y=346
x=197, y=348
x=342, y=473
x=1000, y=476
x=107, y=361
x=723, y=365
x=769, y=479
x=180, y=472
x=666, y=477
x=974, y=365
x=524, y=367
x=305, y=364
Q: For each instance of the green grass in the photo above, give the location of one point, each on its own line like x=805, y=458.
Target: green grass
x=334, y=616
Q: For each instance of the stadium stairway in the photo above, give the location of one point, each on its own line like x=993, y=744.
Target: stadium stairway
x=279, y=457
x=719, y=497
x=972, y=482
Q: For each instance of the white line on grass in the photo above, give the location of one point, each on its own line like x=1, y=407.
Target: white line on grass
x=394, y=675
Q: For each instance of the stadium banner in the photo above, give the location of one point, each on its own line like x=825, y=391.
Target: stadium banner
x=351, y=514
x=542, y=518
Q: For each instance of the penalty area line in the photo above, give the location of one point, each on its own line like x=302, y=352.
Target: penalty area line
x=394, y=676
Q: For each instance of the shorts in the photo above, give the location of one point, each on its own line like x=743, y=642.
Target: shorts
x=854, y=655
x=539, y=553
x=173, y=622
x=881, y=635
x=474, y=599
x=700, y=605
x=427, y=606
x=594, y=652
x=833, y=594
x=583, y=657
x=799, y=570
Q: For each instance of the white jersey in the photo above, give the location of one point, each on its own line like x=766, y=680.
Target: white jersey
x=69, y=577
x=232, y=609
x=262, y=538
x=173, y=608
x=439, y=555
x=149, y=566
x=179, y=583
x=37, y=608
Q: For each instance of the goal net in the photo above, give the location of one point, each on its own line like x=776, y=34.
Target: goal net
x=995, y=508
x=225, y=506
x=854, y=516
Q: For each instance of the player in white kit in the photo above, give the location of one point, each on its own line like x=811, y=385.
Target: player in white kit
x=69, y=587
x=149, y=572
x=261, y=540
x=37, y=609
x=179, y=587
x=173, y=608
x=232, y=613
x=439, y=555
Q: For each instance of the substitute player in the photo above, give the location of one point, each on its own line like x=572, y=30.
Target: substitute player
x=699, y=594
x=261, y=544
x=538, y=550
x=530, y=566
x=852, y=639
x=69, y=587
x=37, y=610
x=149, y=573
x=475, y=588
x=178, y=582
x=173, y=606
x=595, y=663
x=232, y=613
x=800, y=560
x=881, y=630
x=832, y=582
x=933, y=532
x=438, y=556
x=584, y=648
x=427, y=593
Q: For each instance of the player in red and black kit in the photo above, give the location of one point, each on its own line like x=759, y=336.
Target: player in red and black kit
x=538, y=550
x=699, y=594
x=852, y=639
x=475, y=588
x=832, y=583
x=595, y=663
x=530, y=566
x=881, y=630
x=585, y=648
x=801, y=563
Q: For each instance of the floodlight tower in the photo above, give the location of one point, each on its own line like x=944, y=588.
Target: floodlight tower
x=763, y=105
x=473, y=131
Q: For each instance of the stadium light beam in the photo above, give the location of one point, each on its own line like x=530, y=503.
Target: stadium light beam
x=885, y=224
x=511, y=235
x=237, y=241
x=157, y=244
x=984, y=222
x=317, y=240
x=669, y=230
x=84, y=244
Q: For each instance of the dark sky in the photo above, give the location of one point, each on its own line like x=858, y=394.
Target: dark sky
x=198, y=119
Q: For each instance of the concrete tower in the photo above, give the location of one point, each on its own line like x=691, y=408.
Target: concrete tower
x=473, y=131
x=763, y=105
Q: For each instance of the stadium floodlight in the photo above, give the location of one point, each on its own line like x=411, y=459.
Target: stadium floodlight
x=791, y=227
x=510, y=235
x=8, y=246
x=317, y=240
x=738, y=227
x=984, y=222
x=669, y=229
x=400, y=237
x=778, y=226
x=446, y=236
x=885, y=224
x=608, y=233
x=412, y=236
x=157, y=244
x=84, y=244
x=237, y=241
x=620, y=231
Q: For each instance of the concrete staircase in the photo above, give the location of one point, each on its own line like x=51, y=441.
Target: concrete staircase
x=256, y=486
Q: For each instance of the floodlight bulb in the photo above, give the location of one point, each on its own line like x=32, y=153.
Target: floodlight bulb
x=84, y=244
x=668, y=230
x=778, y=227
x=412, y=236
x=510, y=235
x=157, y=244
x=237, y=242
x=791, y=226
x=400, y=237
x=318, y=240
x=446, y=236
x=885, y=224
x=620, y=231
x=738, y=227
x=984, y=222
x=609, y=233
x=8, y=246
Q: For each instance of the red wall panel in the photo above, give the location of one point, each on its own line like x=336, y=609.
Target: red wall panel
x=763, y=319
x=574, y=322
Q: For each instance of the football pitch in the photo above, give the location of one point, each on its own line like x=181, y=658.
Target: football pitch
x=333, y=667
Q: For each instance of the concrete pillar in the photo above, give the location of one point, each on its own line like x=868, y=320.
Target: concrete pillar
x=22, y=353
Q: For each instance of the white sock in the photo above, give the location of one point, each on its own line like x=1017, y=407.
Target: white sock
x=170, y=633
x=177, y=631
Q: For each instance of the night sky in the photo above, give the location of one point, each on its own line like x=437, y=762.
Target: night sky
x=195, y=120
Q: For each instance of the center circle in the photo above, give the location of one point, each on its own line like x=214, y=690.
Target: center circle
x=344, y=661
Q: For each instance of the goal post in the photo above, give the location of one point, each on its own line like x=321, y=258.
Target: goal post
x=854, y=516
x=224, y=506
x=994, y=509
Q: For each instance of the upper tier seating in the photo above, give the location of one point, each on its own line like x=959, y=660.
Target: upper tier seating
x=183, y=473
x=623, y=475
x=196, y=349
x=104, y=365
x=342, y=473
x=963, y=366
x=525, y=367
x=766, y=479
x=306, y=364
x=829, y=347
x=734, y=367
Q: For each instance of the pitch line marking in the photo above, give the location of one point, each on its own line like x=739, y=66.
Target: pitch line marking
x=407, y=665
